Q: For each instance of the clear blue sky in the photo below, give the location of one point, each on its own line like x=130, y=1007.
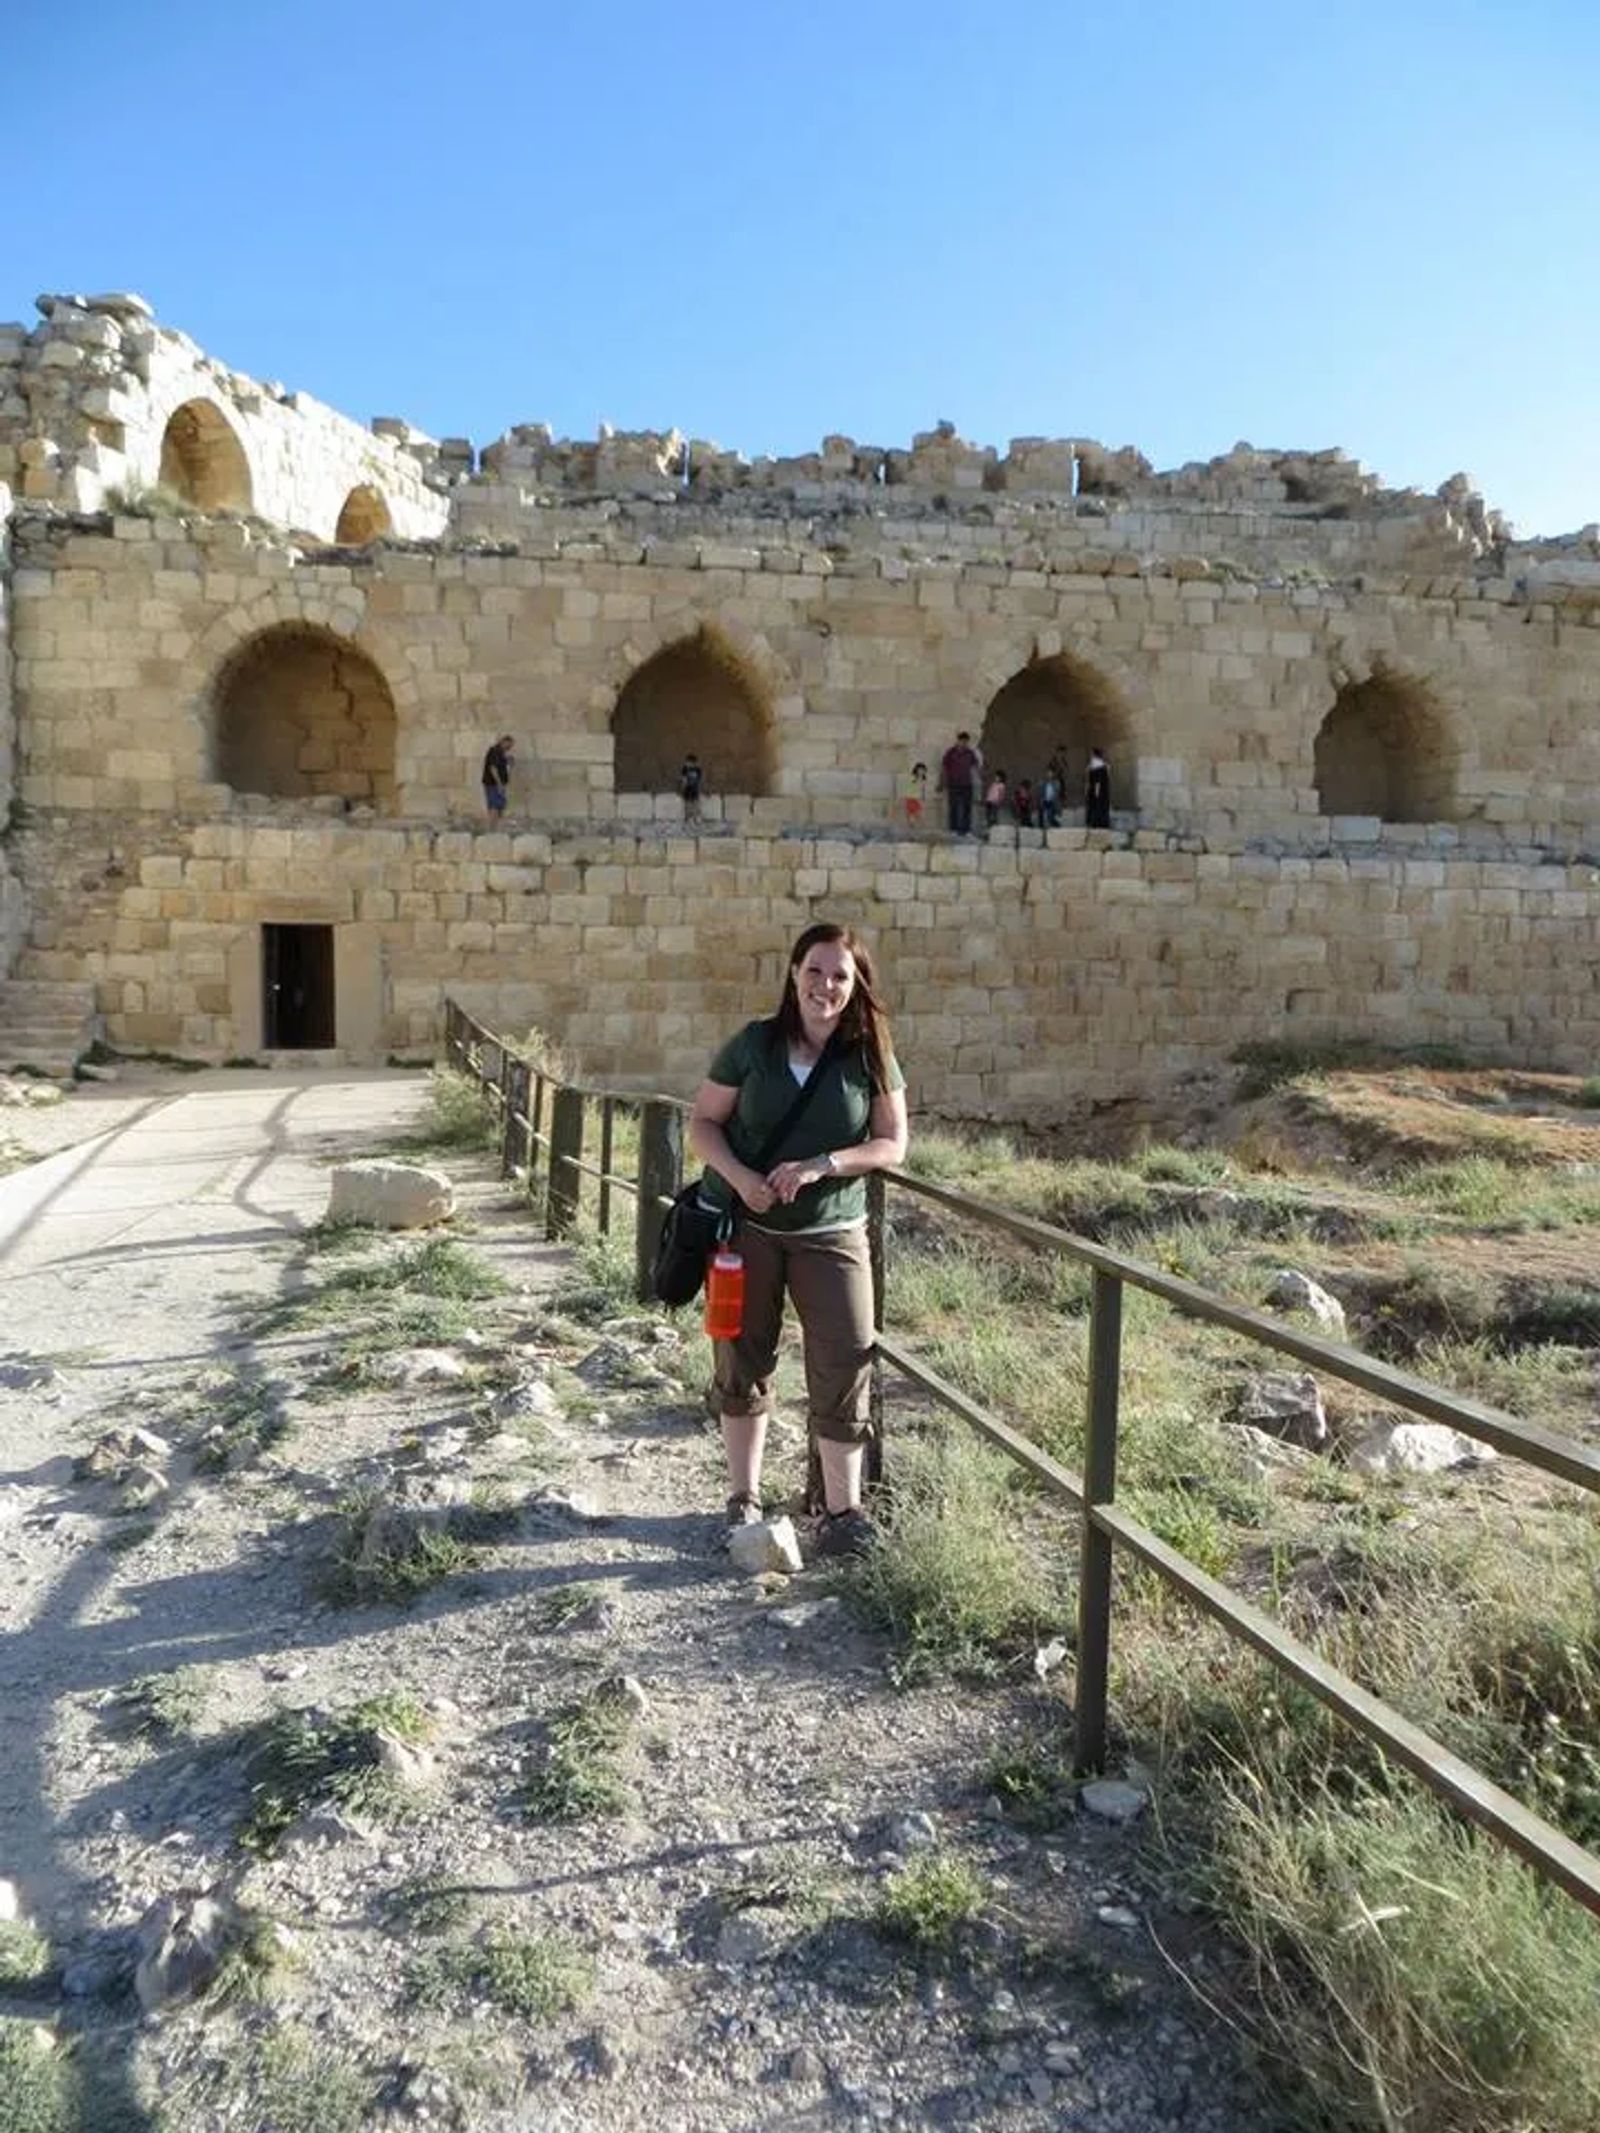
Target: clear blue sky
x=1168, y=223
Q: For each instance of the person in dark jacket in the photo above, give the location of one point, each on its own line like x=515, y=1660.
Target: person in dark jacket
x=1097, y=792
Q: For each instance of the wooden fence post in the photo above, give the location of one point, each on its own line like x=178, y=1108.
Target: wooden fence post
x=1094, y=1554
x=566, y=1151
x=535, y=1128
x=877, y=1253
x=608, y=1121
x=660, y=1168
x=514, y=1139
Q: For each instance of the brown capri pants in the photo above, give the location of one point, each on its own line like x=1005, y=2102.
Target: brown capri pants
x=829, y=1275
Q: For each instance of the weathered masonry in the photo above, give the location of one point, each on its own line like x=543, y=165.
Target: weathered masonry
x=254, y=654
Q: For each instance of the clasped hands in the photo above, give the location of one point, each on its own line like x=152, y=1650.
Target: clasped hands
x=785, y=1182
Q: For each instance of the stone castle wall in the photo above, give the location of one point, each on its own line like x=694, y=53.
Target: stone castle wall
x=1209, y=693
x=1026, y=983
x=1355, y=754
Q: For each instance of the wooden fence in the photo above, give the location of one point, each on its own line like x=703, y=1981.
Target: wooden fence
x=542, y=1117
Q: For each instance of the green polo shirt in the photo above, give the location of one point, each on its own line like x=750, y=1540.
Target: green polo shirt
x=756, y=1063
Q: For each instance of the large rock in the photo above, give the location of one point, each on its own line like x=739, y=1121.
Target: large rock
x=390, y=1195
x=1284, y=1403
x=1381, y=1445
x=1291, y=1290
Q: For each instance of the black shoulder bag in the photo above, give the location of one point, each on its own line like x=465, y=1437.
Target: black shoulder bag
x=689, y=1231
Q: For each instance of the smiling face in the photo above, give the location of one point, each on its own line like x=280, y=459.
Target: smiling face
x=824, y=978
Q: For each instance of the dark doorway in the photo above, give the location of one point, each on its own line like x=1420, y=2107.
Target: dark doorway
x=297, y=988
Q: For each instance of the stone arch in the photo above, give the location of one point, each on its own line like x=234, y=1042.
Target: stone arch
x=698, y=692
x=1059, y=701
x=299, y=712
x=363, y=517
x=1385, y=749
x=203, y=460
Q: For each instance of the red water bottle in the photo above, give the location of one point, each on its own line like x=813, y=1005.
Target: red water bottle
x=725, y=1294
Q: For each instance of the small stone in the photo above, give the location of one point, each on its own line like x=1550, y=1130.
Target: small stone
x=914, y=1832
x=771, y=1545
x=745, y=1938
x=10, y=1903
x=533, y=1398
x=806, y=2065
x=180, y=1943
x=1118, y=1916
x=1049, y=1656
x=1286, y=1404
x=142, y=1486
x=624, y=1693
x=1114, y=1801
x=807, y=1614
x=417, y=1366
x=1290, y=1290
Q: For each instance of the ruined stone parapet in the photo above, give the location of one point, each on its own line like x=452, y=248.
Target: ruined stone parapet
x=101, y=402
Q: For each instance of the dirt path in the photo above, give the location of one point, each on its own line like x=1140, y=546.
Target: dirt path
x=773, y=1783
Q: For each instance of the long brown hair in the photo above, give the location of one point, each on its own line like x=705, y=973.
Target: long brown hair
x=864, y=1021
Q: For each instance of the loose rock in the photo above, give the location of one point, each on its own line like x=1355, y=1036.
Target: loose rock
x=1285, y=1404
x=1384, y=1446
x=1290, y=1290
x=769, y=1546
x=390, y=1195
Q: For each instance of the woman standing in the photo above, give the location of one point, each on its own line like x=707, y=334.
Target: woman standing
x=805, y=1218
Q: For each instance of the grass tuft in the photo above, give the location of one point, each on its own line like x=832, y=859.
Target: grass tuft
x=417, y=1552
x=25, y=1961
x=928, y=1901
x=952, y=1580
x=165, y=1707
x=578, y=1773
x=535, y=1976
x=302, y=1760
x=39, y=2091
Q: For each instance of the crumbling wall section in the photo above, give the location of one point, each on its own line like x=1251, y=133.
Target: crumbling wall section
x=88, y=398
x=12, y=915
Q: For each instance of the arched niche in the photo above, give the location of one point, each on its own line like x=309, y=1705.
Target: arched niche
x=363, y=517
x=299, y=713
x=698, y=694
x=203, y=460
x=1060, y=705
x=1385, y=749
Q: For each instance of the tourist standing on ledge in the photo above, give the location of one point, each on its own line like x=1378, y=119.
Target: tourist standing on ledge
x=959, y=770
x=804, y=1221
x=1097, y=792
x=691, y=785
x=497, y=776
x=914, y=794
x=994, y=798
x=1050, y=798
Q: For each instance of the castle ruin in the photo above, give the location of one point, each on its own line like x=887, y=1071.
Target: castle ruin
x=251, y=654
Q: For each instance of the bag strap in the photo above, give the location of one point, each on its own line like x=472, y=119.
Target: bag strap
x=803, y=1095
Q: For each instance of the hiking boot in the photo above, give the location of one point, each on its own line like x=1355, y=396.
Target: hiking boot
x=846, y=1533
x=743, y=1511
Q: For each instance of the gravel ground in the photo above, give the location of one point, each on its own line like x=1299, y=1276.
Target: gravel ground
x=773, y=1780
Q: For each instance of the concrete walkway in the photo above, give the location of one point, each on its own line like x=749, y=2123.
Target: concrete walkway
x=133, y=1234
